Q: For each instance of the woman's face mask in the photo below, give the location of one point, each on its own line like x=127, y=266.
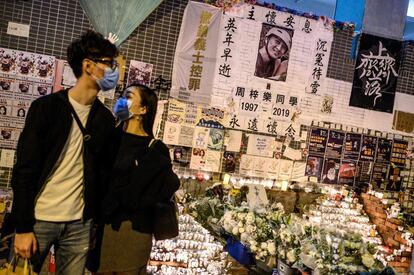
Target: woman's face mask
x=122, y=109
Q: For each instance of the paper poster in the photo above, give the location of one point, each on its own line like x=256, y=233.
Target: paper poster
x=68, y=78
x=253, y=166
x=368, y=148
x=230, y=162
x=20, y=108
x=260, y=145
x=191, y=111
x=277, y=148
x=212, y=161
x=210, y=117
x=317, y=141
x=139, y=73
x=314, y=165
x=384, y=150
x=161, y=108
x=394, y=179
x=6, y=85
x=376, y=73
x=330, y=171
x=272, y=168
x=352, y=146
x=335, y=144
x=256, y=197
x=198, y=159
x=7, y=158
x=25, y=90
x=40, y=89
x=179, y=153
x=233, y=140
x=8, y=61
x=298, y=172
x=246, y=163
x=201, y=137
x=9, y=137
x=347, y=172
x=259, y=165
x=215, y=139
x=364, y=171
x=44, y=67
x=403, y=121
x=186, y=136
x=399, y=152
x=24, y=77
x=25, y=64
x=176, y=111
x=171, y=133
x=285, y=169
x=292, y=154
x=379, y=175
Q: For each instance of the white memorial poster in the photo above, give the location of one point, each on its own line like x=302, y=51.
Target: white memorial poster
x=200, y=139
x=233, y=140
x=285, y=169
x=156, y=128
x=198, y=159
x=212, y=161
x=7, y=158
x=260, y=145
x=171, y=133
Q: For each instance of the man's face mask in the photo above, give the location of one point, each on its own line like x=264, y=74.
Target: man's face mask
x=109, y=80
x=122, y=109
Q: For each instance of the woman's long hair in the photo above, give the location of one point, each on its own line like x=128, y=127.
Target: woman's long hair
x=149, y=100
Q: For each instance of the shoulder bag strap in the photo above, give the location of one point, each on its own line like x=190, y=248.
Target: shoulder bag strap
x=152, y=142
x=85, y=135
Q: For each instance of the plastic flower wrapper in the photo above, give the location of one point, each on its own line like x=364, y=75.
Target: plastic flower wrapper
x=309, y=254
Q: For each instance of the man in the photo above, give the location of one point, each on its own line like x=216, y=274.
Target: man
x=269, y=62
x=57, y=179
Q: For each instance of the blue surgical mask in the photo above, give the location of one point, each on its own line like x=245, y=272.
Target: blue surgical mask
x=122, y=109
x=109, y=80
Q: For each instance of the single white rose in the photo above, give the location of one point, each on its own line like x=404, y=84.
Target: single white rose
x=241, y=230
x=263, y=246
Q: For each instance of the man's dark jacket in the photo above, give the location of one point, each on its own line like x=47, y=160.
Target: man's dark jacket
x=47, y=127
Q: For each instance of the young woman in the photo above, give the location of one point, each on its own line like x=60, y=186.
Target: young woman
x=142, y=176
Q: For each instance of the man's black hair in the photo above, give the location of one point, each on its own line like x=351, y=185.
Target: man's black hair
x=90, y=45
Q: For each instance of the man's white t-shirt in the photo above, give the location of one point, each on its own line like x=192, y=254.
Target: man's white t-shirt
x=62, y=199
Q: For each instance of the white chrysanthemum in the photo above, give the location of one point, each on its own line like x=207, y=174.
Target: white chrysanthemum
x=271, y=247
x=291, y=257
